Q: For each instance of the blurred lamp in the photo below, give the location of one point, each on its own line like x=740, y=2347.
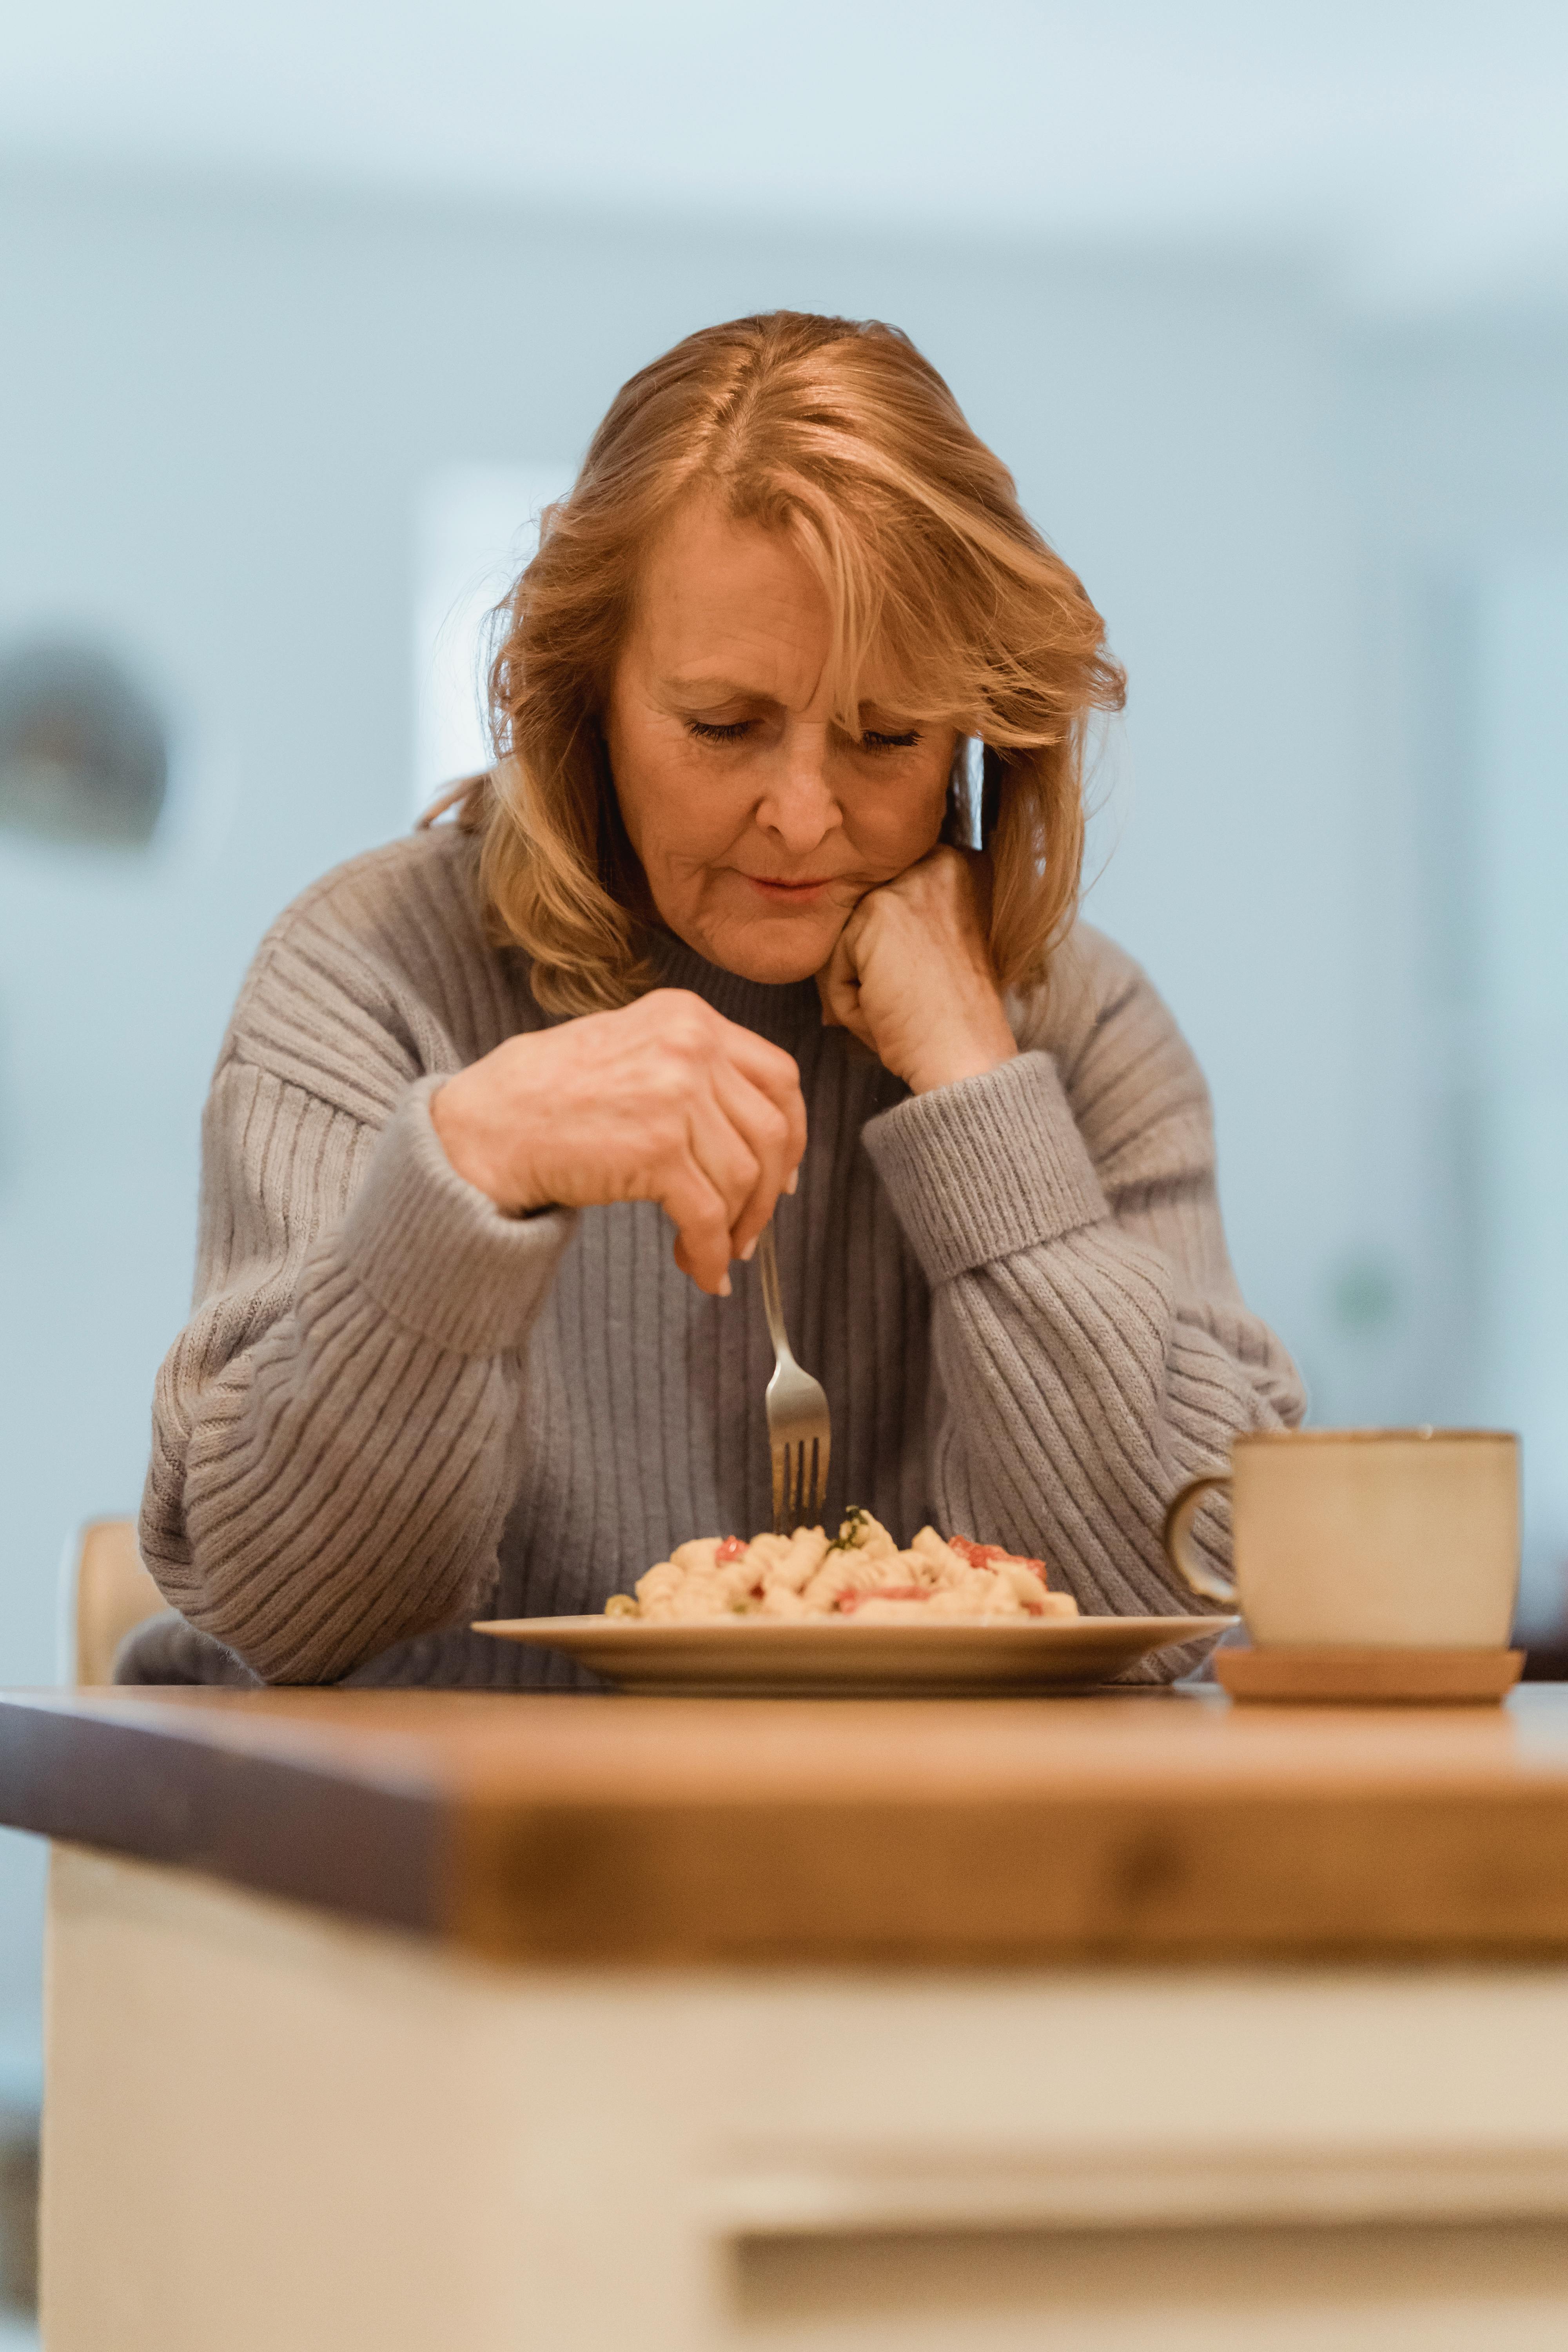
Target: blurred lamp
x=83, y=756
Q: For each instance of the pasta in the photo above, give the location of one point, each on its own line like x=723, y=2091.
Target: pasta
x=859, y=1574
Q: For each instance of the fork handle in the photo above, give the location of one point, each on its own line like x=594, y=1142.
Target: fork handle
x=773, y=1303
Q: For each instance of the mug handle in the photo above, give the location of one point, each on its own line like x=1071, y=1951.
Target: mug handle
x=1183, y=1553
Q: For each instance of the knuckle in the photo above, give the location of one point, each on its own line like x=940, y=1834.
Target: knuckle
x=686, y=1037
x=669, y=1076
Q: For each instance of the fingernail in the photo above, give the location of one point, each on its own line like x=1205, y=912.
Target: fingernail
x=792, y=1180
x=724, y=1287
x=749, y=1253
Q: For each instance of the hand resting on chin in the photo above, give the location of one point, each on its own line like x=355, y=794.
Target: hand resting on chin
x=910, y=975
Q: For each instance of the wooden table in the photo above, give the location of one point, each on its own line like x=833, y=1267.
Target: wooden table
x=418, y=2021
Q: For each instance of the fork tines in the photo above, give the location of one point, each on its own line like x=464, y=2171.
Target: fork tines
x=799, y=1431
x=800, y=1484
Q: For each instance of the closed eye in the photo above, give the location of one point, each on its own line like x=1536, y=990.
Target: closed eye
x=707, y=732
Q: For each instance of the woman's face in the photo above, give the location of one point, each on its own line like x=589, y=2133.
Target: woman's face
x=758, y=824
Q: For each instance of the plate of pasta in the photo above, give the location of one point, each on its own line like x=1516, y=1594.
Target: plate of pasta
x=808, y=1615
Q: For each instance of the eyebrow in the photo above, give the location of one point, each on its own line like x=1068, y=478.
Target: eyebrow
x=719, y=689
x=728, y=689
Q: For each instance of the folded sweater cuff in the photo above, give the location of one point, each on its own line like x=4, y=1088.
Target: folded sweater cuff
x=435, y=1254
x=990, y=1166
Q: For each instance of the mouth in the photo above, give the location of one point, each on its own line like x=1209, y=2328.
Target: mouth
x=789, y=894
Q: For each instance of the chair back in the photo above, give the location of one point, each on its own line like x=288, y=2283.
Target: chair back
x=107, y=1594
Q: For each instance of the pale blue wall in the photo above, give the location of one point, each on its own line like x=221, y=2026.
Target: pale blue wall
x=1457, y=456
x=1517, y=1032
x=214, y=416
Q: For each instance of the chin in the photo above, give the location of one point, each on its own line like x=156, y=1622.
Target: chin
x=775, y=950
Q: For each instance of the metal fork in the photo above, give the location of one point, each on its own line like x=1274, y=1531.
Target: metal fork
x=800, y=1436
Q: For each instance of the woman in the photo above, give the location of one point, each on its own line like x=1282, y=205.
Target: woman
x=703, y=938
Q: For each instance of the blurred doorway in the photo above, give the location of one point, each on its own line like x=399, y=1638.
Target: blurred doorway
x=475, y=528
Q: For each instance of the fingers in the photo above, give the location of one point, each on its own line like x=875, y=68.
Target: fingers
x=725, y=1182
x=758, y=1088
x=698, y=1114
x=769, y=1136
x=838, y=982
x=702, y=1218
x=949, y=887
x=721, y=1185
x=775, y=1075
x=713, y=1043
x=745, y=1146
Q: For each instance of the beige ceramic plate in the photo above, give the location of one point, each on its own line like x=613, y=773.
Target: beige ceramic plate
x=748, y=1658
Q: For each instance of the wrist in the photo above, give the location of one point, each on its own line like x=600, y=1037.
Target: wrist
x=471, y=1150
x=946, y=1061
x=951, y=1069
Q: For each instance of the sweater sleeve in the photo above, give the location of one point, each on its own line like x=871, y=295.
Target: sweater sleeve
x=334, y=1445
x=1091, y=1348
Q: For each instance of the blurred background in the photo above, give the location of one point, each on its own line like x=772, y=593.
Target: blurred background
x=308, y=309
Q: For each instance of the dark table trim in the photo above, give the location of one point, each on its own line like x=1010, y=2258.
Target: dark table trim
x=277, y=1825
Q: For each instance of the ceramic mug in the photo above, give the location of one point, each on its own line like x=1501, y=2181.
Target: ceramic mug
x=1402, y=1539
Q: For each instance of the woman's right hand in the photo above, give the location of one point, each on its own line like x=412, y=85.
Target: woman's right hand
x=664, y=1100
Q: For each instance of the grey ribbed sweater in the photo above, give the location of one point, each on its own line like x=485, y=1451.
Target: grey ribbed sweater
x=395, y=1408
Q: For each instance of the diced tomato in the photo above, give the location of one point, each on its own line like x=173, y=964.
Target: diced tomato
x=981, y=1555
x=978, y=1555
x=730, y=1548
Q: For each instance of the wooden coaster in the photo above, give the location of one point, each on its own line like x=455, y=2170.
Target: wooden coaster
x=1351, y=1677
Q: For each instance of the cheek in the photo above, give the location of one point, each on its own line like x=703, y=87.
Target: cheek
x=678, y=813
x=645, y=768
x=900, y=823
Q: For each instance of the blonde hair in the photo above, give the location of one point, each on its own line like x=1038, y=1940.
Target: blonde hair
x=839, y=434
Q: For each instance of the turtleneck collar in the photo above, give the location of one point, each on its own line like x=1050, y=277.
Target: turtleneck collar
x=783, y=1014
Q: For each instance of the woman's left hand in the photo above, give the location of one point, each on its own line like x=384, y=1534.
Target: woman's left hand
x=911, y=974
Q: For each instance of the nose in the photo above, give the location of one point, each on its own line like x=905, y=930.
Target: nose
x=799, y=806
